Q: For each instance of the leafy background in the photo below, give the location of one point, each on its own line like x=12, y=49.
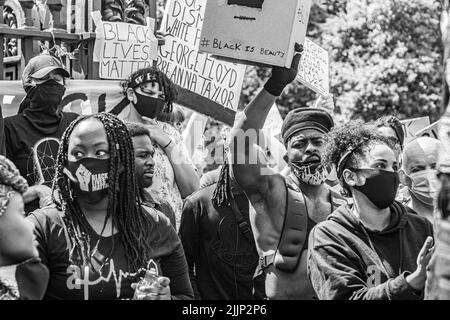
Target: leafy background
x=385, y=58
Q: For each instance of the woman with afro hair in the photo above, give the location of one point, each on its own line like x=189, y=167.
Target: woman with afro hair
x=373, y=249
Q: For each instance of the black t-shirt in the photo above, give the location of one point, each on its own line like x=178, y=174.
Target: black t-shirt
x=107, y=276
x=33, y=152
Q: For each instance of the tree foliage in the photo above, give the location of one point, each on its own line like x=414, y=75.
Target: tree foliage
x=385, y=58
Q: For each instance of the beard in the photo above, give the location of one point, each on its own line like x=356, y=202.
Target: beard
x=311, y=174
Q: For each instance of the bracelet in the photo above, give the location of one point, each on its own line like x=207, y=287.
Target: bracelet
x=168, y=144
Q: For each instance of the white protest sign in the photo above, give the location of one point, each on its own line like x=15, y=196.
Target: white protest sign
x=123, y=48
x=313, y=70
x=180, y=60
x=430, y=131
x=412, y=126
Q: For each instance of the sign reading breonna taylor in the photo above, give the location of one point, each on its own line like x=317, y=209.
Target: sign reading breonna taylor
x=181, y=61
x=123, y=48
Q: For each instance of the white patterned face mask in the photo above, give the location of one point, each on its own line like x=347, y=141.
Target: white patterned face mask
x=313, y=175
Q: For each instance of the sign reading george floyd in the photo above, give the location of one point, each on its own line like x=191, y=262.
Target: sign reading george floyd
x=181, y=61
x=255, y=31
x=313, y=70
x=123, y=48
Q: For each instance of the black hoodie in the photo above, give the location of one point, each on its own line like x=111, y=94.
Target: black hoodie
x=348, y=261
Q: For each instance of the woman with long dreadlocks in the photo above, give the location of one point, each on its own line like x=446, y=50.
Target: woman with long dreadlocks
x=150, y=93
x=98, y=240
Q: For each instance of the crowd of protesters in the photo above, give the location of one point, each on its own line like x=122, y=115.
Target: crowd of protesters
x=349, y=217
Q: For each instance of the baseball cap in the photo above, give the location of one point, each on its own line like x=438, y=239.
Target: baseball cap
x=39, y=67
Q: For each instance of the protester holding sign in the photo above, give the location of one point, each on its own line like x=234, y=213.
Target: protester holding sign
x=98, y=239
x=284, y=208
x=419, y=175
x=32, y=137
x=374, y=249
x=149, y=92
x=17, y=242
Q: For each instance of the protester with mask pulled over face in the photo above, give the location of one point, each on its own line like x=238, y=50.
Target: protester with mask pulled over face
x=374, y=249
x=35, y=129
x=419, y=174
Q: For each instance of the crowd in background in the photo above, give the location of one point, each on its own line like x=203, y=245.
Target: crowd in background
x=348, y=215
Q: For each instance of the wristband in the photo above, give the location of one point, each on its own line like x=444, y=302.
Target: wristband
x=273, y=87
x=167, y=144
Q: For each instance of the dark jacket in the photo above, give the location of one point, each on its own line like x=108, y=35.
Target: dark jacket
x=224, y=260
x=348, y=261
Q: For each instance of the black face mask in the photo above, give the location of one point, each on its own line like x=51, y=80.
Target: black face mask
x=148, y=106
x=47, y=96
x=89, y=178
x=380, y=188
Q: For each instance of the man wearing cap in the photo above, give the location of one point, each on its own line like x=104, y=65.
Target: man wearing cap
x=285, y=208
x=32, y=136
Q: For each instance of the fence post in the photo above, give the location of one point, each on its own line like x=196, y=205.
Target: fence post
x=2, y=39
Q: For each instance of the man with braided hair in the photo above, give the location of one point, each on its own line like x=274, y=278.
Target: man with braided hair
x=284, y=208
x=218, y=242
x=18, y=250
x=98, y=240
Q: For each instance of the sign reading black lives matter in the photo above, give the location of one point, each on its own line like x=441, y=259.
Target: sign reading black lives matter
x=123, y=48
x=181, y=61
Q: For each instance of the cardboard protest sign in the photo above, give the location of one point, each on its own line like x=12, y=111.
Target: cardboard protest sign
x=180, y=60
x=255, y=31
x=313, y=70
x=412, y=126
x=430, y=131
x=123, y=48
x=91, y=96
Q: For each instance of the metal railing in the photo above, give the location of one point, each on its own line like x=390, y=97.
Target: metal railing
x=71, y=28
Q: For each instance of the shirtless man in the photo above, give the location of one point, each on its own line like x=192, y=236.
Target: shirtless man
x=285, y=208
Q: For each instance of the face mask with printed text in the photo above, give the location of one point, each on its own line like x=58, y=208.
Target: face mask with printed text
x=89, y=178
